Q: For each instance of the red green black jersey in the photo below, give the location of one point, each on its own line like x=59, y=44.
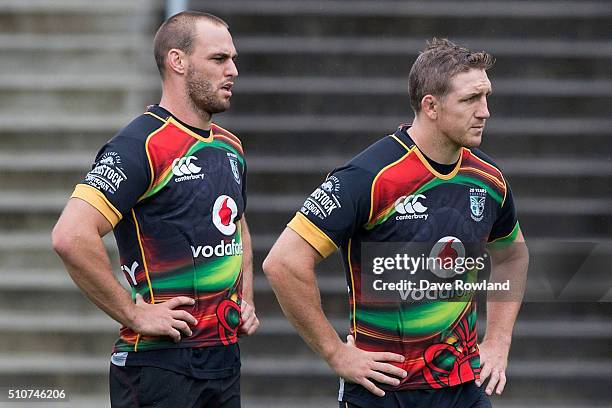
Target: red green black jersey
x=175, y=196
x=391, y=193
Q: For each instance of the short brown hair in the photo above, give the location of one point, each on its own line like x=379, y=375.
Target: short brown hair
x=178, y=32
x=437, y=64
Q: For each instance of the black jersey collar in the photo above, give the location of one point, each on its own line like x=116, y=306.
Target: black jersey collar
x=166, y=114
x=443, y=171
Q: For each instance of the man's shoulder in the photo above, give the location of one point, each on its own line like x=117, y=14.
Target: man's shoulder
x=360, y=173
x=227, y=137
x=219, y=131
x=379, y=155
x=490, y=165
x=141, y=127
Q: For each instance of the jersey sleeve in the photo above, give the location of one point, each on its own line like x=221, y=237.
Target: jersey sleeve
x=334, y=211
x=119, y=176
x=505, y=228
x=244, y=185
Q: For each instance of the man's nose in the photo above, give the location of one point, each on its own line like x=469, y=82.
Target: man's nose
x=483, y=111
x=232, y=69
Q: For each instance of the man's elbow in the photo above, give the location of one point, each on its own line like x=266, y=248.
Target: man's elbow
x=522, y=252
x=62, y=239
x=272, y=267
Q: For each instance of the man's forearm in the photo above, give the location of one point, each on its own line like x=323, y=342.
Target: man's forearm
x=88, y=264
x=502, y=309
x=301, y=302
x=247, y=263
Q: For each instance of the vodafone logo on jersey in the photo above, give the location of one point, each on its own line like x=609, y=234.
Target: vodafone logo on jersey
x=224, y=213
x=450, y=252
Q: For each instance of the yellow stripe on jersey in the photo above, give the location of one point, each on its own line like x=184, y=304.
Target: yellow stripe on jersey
x=95, y=197
x=313, y=235
x=190, y=132
x=350, y=264
x=433, y=171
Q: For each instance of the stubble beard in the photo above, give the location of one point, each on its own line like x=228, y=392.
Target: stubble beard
x=202, y=96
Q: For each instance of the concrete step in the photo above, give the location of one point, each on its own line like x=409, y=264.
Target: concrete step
x=58, y=43
x=324, y=134
x=287, y=175
x=73, y=16
x=326, y=85
x=92, y=53
x=80, y=161
x=76, y=94
x=57, y=141
x=385, y=124
x=32, y=249
x=540, y=48
x=322, y=143
x=29, y=250
x=300, y=85
x=371, y=56
x=541, y=301
x=383, y=18
x=60, y=7
x=270, y=213
x=95, y=333
x=354, y=64
x=520, y=106
x=16, y=102
x=535, y=10
x=103, y=82
x=114, y=99
x=583, y=297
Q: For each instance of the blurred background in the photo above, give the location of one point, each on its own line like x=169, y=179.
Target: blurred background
x=319, y=81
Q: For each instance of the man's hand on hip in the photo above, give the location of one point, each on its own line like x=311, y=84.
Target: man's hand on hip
x=162, y=320
x=248, y=319
x=359, y=366
x=493, y=363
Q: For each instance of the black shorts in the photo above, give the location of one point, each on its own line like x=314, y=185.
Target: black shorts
x=466, y=395
x=144, y=387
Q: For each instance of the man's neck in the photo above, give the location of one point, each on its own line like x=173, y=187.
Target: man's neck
x=433, y=144
x=185, y=111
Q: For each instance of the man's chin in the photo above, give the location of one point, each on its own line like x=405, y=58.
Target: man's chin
x=472, y=141
x=219, y=108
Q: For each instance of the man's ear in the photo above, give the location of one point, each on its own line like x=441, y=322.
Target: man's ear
x=430, y=106
x=176, y=61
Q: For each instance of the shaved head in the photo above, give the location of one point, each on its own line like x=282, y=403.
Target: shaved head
x=179, y=32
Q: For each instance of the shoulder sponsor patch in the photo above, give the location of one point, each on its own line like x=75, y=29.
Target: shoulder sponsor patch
x=107, y=174
x=324, y=200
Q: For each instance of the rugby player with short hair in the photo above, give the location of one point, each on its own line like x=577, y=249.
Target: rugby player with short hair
x=426, y=183
x=172, y=187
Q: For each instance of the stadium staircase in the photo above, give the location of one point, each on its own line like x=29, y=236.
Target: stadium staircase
x=320, y=80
